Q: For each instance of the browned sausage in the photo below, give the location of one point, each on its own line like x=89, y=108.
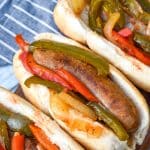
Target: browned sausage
x=30, y=144
x=109, y=94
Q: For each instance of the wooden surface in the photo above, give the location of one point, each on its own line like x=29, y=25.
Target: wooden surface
x=146, y=143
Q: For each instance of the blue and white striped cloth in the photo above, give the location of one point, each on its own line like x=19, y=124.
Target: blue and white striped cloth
x=26, y=17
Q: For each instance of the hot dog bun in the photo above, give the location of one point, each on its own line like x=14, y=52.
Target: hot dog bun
x=41, y=96
x=76, y=27
x=19, y=105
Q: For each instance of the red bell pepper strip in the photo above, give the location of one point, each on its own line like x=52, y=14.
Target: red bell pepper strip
x=145, y=58
x=24, y=47
x=78, y=85
x=31, y=66
x=21, y=42
x=45, y=73
x=129, y=48
x=42, y=138
x=23, y=57
x=1, y=147
x=60, y=76
x=125, y=32
x=18, y=142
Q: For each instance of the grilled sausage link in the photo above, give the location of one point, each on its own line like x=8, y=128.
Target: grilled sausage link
x=106, y=91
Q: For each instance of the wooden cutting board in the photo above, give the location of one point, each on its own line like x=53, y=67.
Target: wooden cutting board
x=146, y=143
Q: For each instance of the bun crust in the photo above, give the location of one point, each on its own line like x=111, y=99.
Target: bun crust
x=77, y=29
x=40, y=96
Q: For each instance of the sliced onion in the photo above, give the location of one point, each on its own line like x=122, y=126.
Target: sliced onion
x=59, y=108
x=68, y=109
x=77, y=5
x=110, y=25
x=77, y=105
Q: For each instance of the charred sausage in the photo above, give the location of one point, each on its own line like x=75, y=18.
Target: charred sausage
x=106, y=91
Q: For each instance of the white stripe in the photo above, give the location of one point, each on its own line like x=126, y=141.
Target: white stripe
x=3, y=3
x=21, y=24
x=38, y=6
x=35, y=18
x=8, y=46
x=7, y=30
x=5, y=59
x=54, y=1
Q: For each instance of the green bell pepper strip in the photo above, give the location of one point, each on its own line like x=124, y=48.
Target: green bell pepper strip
x=108, y=7
x=15, y=122
x=53, y=85
x=50, y=84
x=145, y=4
x=133, y=8
x=95, y=21
x=110, y=120
x=143, y=41
x=111, y=6
x=89, y=57
x=4, y=134
x=4, y=113
x=145, y=17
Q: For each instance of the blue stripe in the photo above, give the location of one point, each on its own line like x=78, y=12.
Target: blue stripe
x=46, y=3
x=16, y=29
x=3, y=63
x=39, y=13
x=7, y=78
x=25, y=19
x=6, y=52
x=8, y=39
x=28, y=26
x=4, y=8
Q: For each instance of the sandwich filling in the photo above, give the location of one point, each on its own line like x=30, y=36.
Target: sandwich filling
x=81, y=87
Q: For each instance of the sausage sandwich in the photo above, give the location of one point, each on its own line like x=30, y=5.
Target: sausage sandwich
x=87, y=96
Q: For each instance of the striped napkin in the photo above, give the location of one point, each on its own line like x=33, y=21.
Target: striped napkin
x=26, y=17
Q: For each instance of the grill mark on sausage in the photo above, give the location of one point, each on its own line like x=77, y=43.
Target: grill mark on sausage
x=108, y=93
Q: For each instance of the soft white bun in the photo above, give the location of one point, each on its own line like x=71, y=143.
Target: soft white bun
x=76, y=27
x=40, y=96
x=19, y=105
